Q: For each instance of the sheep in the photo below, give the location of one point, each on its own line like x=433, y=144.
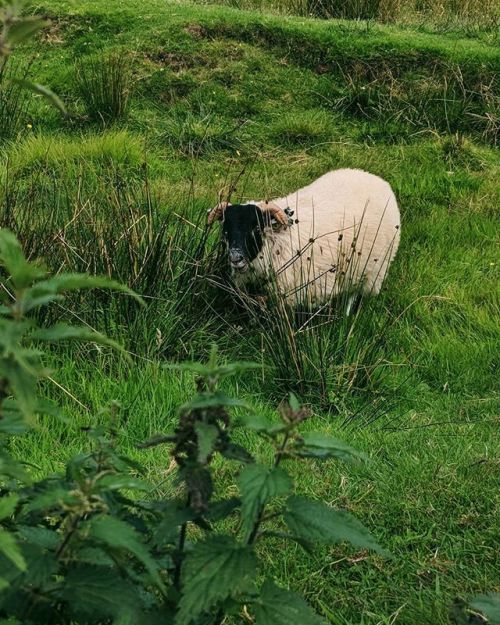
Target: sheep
x=338, y=234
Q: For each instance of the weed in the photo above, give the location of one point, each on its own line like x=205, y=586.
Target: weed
x=105, y=85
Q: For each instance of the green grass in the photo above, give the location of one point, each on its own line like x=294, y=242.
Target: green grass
x=220, y=96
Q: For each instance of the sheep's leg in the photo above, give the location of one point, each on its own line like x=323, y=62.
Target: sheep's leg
x=353, y=304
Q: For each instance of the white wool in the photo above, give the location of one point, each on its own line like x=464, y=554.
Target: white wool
x=346, y=237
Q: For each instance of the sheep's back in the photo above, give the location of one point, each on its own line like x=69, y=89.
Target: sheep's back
x=346, y=234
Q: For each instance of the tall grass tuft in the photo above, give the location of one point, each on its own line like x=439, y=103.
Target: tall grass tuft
x=105, y=85
x=117, y=227
x=331, y=353
x=14, y=98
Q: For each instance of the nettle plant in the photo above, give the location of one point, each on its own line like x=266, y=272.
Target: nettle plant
x=91, y=545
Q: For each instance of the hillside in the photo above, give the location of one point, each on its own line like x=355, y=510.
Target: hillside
x=219, y=98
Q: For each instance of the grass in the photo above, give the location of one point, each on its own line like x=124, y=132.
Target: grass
x=263, y=104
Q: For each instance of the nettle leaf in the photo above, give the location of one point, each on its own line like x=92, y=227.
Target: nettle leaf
x=317, y=445
x=233, y=451
x=12, y=258
x=40, y=536
x=219, y=510
x=258, y=485
x=173, y=517
x=207, y=436
x=276, y=606
x=117, y=482
x=317, y=522
x=216, y=569
x=211, y=400
x=65, y=332
x=47, y=290
x=262, y=425
x=11, y=550
x=45, y=92
x=8, y=504
x=489, y=605
x=97, y=591
x=118, y=534
x=41, y=566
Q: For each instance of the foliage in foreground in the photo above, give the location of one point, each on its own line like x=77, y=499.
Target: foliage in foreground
x=86, y=546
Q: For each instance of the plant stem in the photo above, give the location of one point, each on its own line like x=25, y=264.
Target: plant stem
x=260, y=516
x=180, y=549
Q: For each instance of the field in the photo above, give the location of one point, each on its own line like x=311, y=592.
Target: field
x=196, y=99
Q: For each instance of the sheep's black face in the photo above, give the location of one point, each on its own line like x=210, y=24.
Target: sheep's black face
x=242, y=227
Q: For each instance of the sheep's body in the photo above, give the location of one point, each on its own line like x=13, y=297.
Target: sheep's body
x=344, y=236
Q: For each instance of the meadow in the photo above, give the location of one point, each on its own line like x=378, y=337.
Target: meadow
x=172, y=103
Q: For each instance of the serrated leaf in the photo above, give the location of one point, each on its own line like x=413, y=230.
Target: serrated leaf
x=12, y=258
x=317, y=522
x=8, y=504
x=98, y=591
x=40, y=536
x=294, y=402
x=489, y=605
x=41, y=566
x=207, y=436
x=260, y=424
x=211, y=400
x=11, y=550
x=317, y=445
x=118, y=534
x=52, y=288
x=117, y=482
x=277, y=606
x=258, y=485
x=233, y=451
x=45, y=92
x=216, y=568
x=173, y=517
x=65, y=332
x=218, y=371
x=219, y=510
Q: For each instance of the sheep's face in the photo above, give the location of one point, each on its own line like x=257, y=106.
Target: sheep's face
x=243, y=226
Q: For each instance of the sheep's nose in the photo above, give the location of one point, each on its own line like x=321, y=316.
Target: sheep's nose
x=238, y=261
x=236, y=257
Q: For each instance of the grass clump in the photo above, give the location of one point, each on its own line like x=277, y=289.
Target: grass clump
x=105, y=85
x=303, y=127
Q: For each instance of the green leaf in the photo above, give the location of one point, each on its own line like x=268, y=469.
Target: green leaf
x=211, y=400
x=23, y=28
x=98, y=591
x=316, y=522
x=40, y=536
x=317, y=445
x=258, y=485
x=12, y=258
x=117, y=534
x=219, y=510
x=8, y=504
x=10, y=549
x=207, y=436
x=489, y=605
x=233, y=451
x=216, y=568
x=52, y=288
x=262, y=425
x=64, y=332
x=294, y=402
x=117, y=482
x=215, y=371
x=45, y=92
x=276, y=606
